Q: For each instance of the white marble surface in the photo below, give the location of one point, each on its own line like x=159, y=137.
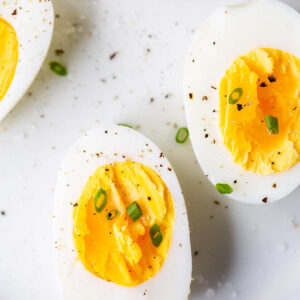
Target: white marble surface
x=244, y=252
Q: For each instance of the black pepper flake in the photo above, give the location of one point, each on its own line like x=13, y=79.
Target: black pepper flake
x=278, y=152
x=75, y=204
x=106, y=132
x=272, y=163
x=263, y=84
x=59, y=52
x=274, y=185
x=206, y=135
x=191, y=96
x=295, y=108
x=235, y=181
x=112, y=56
x=14, y=13
x=214, y=110
x=169, y=169
x=214, y=43
x=213, y=87
x=216, y=202
x=193, y=60
x=204, y=98
x=272, y=78
x=161, y=154
x=196, y=253
x=3, y=213
x=151, y=100
x=265, y=200
x=239, y=107
x=149, y=198
x=106, y=169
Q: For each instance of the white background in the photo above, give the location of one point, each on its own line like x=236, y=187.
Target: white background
x=244, y=252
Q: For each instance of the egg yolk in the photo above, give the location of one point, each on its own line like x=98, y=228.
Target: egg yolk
x=265, y=82
x=8, y=56
x=109, y=243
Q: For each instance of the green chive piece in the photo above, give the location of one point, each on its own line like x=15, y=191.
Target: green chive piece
x=182, y=135
x=272, y=124
x=232, y=100
x=224, y=188
x=112, y=214
x=104, y=202
x=134, y=211
x=156, y=235
x=125, y=125
x=58, y=68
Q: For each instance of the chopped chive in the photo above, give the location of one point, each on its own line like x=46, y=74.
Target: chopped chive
x=134, y=211
x=156, y=235
x=224, y=188
x=112, y=214
x=104, y=202
x=272, y=124
x=182, y=135
x=232, y=100
x=125, y=125
x=58, y=68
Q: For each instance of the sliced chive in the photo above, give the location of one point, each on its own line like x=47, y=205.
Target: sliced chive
x=224, y=188
x=156, y=235
x=58, y=68
x=272, y=124
x=104, y=202
x=182, y=135
x=134, y=211
x=112, y=214
x=232, y=100
x=125, y=125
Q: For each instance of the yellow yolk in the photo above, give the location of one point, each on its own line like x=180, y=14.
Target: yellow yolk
x=270, y=83
x=8, y=56
x=120, y=250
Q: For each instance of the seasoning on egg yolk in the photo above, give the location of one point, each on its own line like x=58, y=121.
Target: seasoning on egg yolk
x=8, y=56
x=270, y=84
x=120, y=250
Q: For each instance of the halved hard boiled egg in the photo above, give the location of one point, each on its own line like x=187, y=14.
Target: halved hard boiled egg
x=25, y=34
x=120, y=223
x=242, y=98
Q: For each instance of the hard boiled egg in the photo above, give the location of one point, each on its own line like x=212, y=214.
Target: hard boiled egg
x=25, y=34
x=242, y=98
x=120, y=223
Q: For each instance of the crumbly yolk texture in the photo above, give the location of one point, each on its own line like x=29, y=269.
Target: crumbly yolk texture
x=8, y=56
x=120, y=250
x=270, y=83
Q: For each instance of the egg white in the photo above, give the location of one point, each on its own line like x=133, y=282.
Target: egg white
x=117, y=143
x=33, y=24
x=230, y=32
